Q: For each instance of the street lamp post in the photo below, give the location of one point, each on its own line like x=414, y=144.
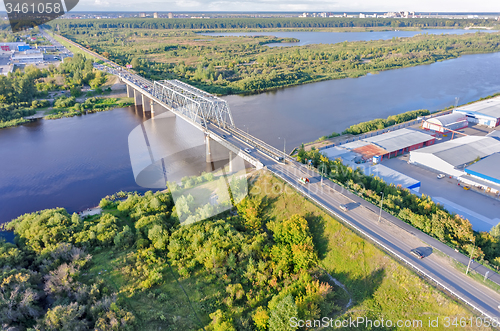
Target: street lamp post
x=470, y=257
x=381, y=202
x=284, y=149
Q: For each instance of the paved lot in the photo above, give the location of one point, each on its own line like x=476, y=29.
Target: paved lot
x=483, y=212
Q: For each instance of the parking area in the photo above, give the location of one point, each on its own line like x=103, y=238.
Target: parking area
x=482, y=211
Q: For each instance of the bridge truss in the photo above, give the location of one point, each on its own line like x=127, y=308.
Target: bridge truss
x=199, y=106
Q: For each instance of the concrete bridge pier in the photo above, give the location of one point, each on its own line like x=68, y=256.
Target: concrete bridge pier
x=137, y=98
x=130, y=92
x=145, y=103
x=152, y=107
x=208, y=152
x=230, y=162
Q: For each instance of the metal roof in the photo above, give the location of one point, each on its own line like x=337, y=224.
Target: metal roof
x=392, y=176
x=494, y=134
x=488, y=168
x=370, y=151
x=355, y=144
x=490, y=107
x=448, y=119
x=463, y=150
x=399, y=139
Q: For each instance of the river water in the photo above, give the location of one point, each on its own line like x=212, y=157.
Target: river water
x=321, y=37
x=74, y=162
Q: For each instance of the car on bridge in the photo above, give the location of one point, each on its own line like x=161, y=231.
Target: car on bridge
x=415, y=252
x=248, y=150
x=304, y=180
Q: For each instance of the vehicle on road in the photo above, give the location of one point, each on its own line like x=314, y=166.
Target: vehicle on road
x=304, y=180
x=223, y=136
x=441, y=176
x=466, y=188
x=343, y=207
x=248, y=150
x=417, y=253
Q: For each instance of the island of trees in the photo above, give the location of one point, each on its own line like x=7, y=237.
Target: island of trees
x=225, y=65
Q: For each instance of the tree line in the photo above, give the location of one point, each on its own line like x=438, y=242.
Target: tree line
x=265, y=23
x=22, y=92
x=380, y=123
x=421, y=212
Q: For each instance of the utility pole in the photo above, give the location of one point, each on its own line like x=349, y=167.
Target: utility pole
x=284, y=150
x=470, y=258
x=381, y=202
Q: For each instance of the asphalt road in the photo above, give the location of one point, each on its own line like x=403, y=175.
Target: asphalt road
x=394, y=235
x=388, y=233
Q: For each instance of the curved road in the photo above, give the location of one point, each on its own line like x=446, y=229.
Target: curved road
x=392, y=234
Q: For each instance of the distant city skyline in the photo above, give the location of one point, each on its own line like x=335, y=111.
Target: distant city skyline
x=288, y=5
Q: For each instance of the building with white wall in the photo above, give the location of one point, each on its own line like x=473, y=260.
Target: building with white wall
x=451, y=157
x=444, y=123
x=485, y=112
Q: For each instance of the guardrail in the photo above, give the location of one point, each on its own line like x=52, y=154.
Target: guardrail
x=385, y=247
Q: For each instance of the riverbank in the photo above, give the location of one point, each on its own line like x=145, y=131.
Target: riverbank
x=102, y=103
x=358, y=129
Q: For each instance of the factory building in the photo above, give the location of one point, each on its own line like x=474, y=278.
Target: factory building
x=451, y=157
x=485, y=112
x=444, y=123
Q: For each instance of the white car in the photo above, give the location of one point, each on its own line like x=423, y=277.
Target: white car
x=248, y=150
x=441, y=176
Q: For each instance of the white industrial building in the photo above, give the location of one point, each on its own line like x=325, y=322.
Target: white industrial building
x=444, y=123
x=451, y=157
x=485, y=112
x=27, y=57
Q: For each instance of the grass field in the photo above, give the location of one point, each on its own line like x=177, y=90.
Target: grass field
x=379, y=286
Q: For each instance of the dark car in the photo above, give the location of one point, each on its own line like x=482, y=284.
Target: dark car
x=417, y=253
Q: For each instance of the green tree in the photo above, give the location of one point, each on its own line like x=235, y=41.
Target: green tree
x=279, y=319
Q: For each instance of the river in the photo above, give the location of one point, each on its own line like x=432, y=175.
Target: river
x=74, y=162
x=322, y=37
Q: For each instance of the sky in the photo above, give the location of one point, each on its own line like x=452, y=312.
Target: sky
x=289, y=5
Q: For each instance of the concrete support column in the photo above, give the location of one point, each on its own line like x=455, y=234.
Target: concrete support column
x=130, y=93
x=137, y=98
x=152, y=107
x=208, y=151
x=230, y=162
x=145, y=103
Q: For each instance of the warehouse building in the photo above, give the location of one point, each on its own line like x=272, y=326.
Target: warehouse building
x=487, y=169
x=394, y=177
x=444, y=123
x=485, y=112
x=27, y=57
x=14, y=46
x=390, y=144
x=451, y=157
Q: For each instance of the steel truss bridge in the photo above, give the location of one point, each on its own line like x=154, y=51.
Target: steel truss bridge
x=195, y=104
